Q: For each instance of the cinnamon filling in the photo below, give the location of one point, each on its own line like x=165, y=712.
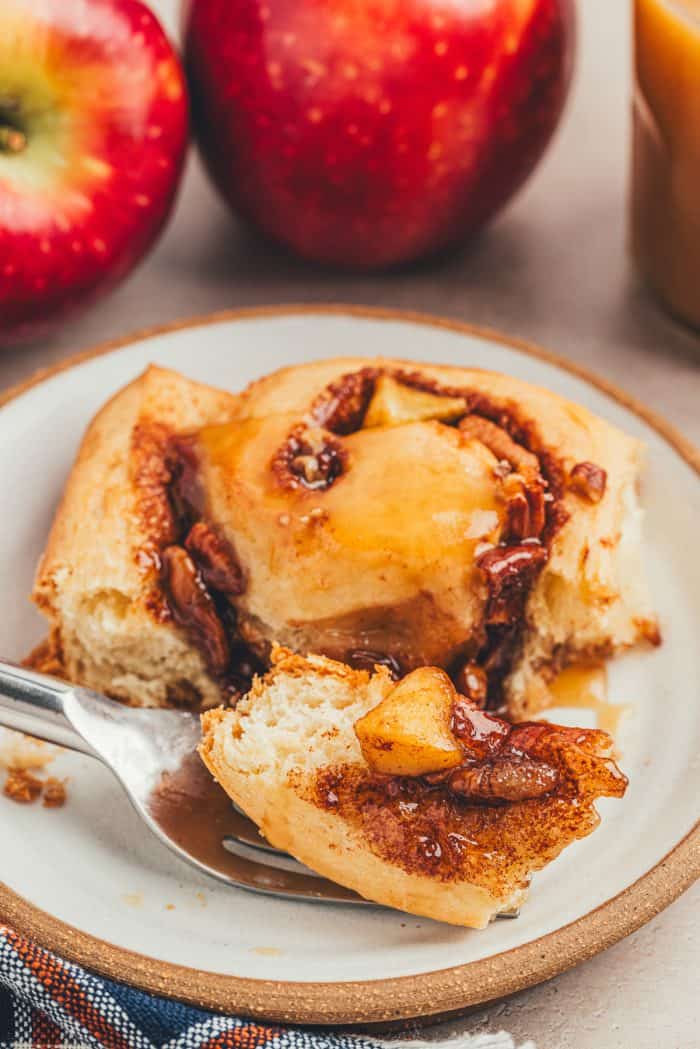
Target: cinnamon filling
x=532, y=795
x=311, y=457
x=198, y=571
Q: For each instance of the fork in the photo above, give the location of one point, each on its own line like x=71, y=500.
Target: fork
x=153, y=754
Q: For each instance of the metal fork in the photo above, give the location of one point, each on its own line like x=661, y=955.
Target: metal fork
x=153, y=755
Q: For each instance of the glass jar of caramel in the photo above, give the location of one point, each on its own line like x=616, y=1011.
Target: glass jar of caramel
x=665, y=211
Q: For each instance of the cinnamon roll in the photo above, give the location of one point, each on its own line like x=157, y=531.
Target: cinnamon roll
x=376, y=512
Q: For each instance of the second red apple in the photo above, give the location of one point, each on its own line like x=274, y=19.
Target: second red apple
x=371, y=132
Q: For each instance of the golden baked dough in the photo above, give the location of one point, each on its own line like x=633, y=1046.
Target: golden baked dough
x=370, y=510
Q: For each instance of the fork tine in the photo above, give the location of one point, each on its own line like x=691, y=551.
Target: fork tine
x=270, y=857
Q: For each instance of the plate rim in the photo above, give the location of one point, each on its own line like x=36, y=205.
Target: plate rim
x=424, y=995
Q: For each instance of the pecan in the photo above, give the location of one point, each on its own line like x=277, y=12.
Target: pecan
x=471, y=681
x=510, y=572
x=310, y=458
x=525, y=494
x=367, y=659
x=151, y=476
x=519, y=524
x=215, y=560
x=480, y=733
x=588, y=480
x=504, y=779
x=341, y=407
x=193, y=608
x=501, y=444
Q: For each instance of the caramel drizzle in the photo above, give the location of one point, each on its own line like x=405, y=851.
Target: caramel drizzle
x=532, y=480
x=427, y=828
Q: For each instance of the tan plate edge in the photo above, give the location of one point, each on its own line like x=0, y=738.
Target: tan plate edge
x=378, y=1001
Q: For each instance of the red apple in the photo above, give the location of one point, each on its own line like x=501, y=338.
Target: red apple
x=93, y=128
x=371, y=132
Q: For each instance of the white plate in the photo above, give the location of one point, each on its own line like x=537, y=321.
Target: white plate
x=93, y=867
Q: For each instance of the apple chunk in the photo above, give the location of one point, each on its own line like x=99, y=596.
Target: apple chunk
x=394, y=403
x=408, y=733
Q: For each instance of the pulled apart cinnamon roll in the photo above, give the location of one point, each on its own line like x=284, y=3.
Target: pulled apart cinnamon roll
x=375, y=512
x=406, y=792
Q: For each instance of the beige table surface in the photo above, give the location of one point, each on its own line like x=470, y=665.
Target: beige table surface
x=553, y=269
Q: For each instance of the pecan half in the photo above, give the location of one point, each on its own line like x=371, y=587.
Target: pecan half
x=215, y=560
x=310, y=457
x=151, y=476
x=510, y=572
x=505, y=779
x=525, y=489
x=589, y=480
x=524, y=494
x=519, y=520
x=501, y=444
x=341, y=407
x=193, y=608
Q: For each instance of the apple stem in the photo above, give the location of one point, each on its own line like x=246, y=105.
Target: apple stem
x=12, y=140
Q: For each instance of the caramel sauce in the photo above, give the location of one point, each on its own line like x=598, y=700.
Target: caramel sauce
x=390, y=544
x=426, y=830
x=392, y=497
x=585, y=687
x=665, y=204
x=196, y=813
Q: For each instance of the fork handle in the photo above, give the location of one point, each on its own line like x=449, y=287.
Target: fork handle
x=37, y=704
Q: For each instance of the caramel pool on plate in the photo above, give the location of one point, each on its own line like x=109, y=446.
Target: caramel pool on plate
x=666, y=152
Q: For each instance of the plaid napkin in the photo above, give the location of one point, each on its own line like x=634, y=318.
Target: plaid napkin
x=47, y=1003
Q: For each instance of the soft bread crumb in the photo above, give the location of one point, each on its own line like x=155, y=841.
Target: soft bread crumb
x=312, y=727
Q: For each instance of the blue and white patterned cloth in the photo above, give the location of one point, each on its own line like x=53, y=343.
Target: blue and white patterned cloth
x=48, y=1003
